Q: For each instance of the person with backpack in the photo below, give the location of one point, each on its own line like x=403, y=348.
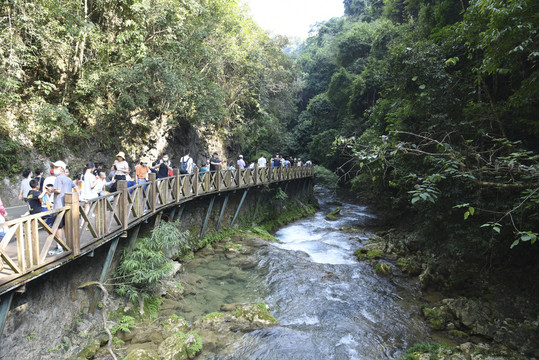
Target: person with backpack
x=186, y=163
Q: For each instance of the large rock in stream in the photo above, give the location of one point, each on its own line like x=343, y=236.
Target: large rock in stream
x=244, y=317
x=180, y=346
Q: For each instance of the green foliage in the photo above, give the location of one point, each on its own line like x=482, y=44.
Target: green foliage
x=89, y=78
x=325, y=177
x=433, y=349
x=125, y=323
x=432, y=107
x=141, y=269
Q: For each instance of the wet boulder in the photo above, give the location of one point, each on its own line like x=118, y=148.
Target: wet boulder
x=174, y=324
x=255, y=313
x=409, y=265
x=383, y=269
x=180, y=346
x=142, y=354
x=332, y=216
x=373, y=250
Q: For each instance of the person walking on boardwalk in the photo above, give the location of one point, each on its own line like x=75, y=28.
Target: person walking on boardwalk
x=25, y=184
x=214, y=161
x=240, y=162
x=142, y=170
x=121, y=169
x=62, y=185
x=163, y=166
x=262, y=161
x=186, y=163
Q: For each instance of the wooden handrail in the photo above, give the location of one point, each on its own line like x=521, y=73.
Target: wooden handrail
x=27, y=241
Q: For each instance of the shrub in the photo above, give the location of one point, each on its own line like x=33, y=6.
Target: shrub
x=325, y=177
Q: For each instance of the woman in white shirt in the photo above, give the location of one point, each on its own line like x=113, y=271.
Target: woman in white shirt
x=121, y=169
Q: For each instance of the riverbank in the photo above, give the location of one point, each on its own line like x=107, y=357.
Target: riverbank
x=480, y=310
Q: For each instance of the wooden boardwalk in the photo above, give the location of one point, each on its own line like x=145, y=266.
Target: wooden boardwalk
x=24, y=250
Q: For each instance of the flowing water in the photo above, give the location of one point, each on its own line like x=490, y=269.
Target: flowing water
x=329, y=305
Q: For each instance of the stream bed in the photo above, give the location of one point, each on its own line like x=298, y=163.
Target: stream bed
x=328, y=305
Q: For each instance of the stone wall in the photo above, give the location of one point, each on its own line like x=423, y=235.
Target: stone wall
x=53, y=318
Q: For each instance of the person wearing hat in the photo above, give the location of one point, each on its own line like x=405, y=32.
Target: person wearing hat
x=120, y=168
x=62, y=185
x=142, y=170
x=214, y=161
x=240, y=162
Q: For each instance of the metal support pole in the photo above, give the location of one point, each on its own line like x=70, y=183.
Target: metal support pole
x=180, y=212
x=104, y=271
x=239, y=207
x=208, y=213
x=172, y=213
x=133, y=238
x=5, y=305
x=222, y=211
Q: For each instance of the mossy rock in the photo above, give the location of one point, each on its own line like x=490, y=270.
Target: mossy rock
x=458, y=334
x=180, y=346
x=437, y=317
x=89, y=351
x=142, y=354
x=335, y=202
x=350, y=229
x=255, y=313
x=175, y=323
x=409, y=265
x=332, y=216
x=365, y=254
x=213, y=317
x=384, y=269
x=231, y=247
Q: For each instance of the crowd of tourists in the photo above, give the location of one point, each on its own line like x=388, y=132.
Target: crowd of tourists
x=44, y=193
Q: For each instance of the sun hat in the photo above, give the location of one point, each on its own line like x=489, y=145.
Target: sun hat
x=121, y=154
x=144, y=160
x=60, y=163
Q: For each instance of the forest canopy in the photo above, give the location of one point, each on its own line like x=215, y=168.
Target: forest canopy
x=432, y=104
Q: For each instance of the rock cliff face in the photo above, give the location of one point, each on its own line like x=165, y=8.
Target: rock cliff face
x=202, y=142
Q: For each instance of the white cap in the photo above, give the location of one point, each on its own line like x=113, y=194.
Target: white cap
x=60, y=163
x=241, y=156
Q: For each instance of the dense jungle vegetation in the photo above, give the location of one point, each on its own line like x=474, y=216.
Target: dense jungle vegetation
x=107, y=74
x=431, y=104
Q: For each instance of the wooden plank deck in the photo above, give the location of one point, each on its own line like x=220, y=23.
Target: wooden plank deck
x=25, y=249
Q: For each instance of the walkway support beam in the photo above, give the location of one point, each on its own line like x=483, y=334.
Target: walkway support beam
x=223, y=207
x=239, y=207
x=208, y=213
x=5, y=305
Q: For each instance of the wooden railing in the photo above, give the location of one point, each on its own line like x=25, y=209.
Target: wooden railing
x=27, y=244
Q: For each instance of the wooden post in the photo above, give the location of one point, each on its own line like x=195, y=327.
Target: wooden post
x=228, y=178
x=195, y=181
x=35, y=243
x=123, y=203
x=153, y=190
x=238, y=176
x=217, y=178
x=72, y=230
x=176, y=190
x=207, y=181
x=255, y=172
